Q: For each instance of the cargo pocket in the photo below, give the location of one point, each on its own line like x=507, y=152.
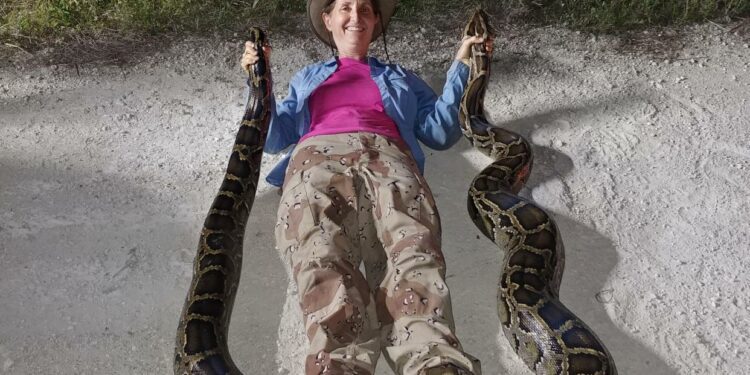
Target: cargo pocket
x=295, y=215
x=428, y=212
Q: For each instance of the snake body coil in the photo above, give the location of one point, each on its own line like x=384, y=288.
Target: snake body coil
x=201, y=346
x=544, y=333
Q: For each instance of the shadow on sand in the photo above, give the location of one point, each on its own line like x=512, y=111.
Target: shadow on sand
x=116, y=256
x=590, y=256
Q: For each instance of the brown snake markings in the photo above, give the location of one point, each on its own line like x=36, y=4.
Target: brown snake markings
x=544, y=333
x=201, y=346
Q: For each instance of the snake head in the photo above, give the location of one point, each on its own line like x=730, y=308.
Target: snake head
x=478, y=26
x=258, y=37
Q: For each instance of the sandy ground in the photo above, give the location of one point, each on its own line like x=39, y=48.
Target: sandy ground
x=106, y=175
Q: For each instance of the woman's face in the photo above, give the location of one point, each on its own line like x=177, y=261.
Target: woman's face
x=352, y=23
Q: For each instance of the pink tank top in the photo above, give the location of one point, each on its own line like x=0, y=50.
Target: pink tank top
x=349, y=101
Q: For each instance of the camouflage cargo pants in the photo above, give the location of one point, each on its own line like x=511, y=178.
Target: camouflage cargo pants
x=359, y=198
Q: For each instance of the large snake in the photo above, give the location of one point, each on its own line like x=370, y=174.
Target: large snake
x=201, y=346
x=544, y=333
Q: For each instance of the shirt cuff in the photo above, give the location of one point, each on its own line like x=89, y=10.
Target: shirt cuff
x=459, y=70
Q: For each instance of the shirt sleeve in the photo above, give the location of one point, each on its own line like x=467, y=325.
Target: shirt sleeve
x=282, y=130
x=437, y=117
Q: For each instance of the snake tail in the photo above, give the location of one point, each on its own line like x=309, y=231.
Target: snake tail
x=201, y=345
x=543, y=332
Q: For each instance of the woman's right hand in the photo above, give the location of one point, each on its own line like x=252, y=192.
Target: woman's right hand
x=464, y=51
x=250, y=56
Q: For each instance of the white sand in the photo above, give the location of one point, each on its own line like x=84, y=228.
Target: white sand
x=105, y=179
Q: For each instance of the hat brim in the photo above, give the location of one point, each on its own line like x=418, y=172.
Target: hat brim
x=315, y=11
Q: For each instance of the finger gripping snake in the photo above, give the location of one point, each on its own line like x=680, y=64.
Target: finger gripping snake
x=201, y=346
x=544, y=333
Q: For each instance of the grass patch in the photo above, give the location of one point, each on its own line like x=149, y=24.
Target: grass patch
x=609, y=15
x=46, y=19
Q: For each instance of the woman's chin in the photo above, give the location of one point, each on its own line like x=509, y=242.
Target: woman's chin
x=355, y=42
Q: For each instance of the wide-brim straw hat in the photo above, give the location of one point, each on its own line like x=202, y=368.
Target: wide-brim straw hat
x=315, y=11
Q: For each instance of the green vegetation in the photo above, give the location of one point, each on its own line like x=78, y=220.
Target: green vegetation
x=607, y=15
x=48, y=18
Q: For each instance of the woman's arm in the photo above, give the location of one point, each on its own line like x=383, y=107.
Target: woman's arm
x=437, y=117
x=282, y=131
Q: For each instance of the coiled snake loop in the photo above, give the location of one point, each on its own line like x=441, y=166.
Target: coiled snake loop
x=201, y=346
x=544, y=333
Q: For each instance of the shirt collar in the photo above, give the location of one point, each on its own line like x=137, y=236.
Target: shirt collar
x=371, y=60
x=376, y=68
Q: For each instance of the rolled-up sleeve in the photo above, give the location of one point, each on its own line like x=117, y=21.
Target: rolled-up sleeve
x=437, y=117
x=282, y=130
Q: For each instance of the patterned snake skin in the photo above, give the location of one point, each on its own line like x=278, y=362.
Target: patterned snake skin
x=544, y=333
x=201, y=346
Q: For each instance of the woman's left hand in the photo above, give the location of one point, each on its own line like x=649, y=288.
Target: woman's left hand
x=464, y=51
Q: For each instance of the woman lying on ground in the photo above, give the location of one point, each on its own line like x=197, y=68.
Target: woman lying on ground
x=353, y=191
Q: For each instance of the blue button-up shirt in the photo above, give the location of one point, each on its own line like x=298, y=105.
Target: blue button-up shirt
x=415, y=108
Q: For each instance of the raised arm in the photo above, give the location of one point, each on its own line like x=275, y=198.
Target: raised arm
x=437, y=116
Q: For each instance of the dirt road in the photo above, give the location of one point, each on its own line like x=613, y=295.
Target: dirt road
x=643, y=159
